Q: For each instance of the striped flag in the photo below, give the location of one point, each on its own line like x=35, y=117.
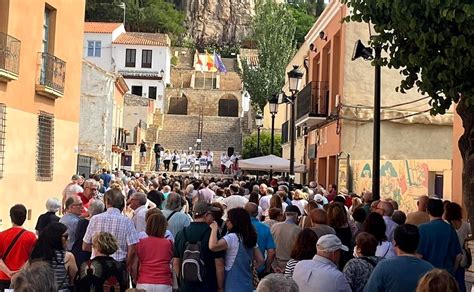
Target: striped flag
x=219, y=64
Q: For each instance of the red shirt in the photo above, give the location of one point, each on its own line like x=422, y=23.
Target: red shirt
x=154, y=255
x=20, y=252
x=85, y=204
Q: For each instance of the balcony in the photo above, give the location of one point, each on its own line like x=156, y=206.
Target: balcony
x=51, y=77
x=312, y=104
x=119, y=144
x=9, y=57
x=285, y=134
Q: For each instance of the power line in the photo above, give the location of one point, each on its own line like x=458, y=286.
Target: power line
x=385, y=107
x=388, y=119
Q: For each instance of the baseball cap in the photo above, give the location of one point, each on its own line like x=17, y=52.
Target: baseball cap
x=201, y=208
x=329, y=243
x=319, y=198
x=293, y=209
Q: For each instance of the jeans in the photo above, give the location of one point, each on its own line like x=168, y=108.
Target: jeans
x=157, y=162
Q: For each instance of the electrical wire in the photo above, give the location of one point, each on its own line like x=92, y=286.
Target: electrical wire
x=388, y=119
x=388, y=106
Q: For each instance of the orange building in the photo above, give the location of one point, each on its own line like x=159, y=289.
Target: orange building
x=40, y=80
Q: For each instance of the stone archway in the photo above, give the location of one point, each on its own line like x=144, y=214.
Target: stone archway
x=178, y=105
x=228, y=106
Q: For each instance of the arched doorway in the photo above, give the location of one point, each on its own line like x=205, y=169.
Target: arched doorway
x=228, y=106
x=178, y=105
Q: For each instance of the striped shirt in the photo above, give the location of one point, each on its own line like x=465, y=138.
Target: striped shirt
x=290, y=267
x=119, y=225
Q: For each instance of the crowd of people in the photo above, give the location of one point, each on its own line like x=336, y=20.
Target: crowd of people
x=119, y=231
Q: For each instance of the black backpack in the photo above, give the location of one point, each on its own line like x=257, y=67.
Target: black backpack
x=193, y=268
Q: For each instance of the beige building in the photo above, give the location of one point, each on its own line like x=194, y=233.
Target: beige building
x=40, y=80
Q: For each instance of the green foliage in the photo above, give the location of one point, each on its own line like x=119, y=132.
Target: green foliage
x=311, y=7
x=174, y=60
x=274, y=30
x=250, y=144
x=141, y=15
x=431, y=43
x=226, y=50
x=304, y=22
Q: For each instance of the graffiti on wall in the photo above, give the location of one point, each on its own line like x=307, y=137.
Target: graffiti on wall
x=402, y=180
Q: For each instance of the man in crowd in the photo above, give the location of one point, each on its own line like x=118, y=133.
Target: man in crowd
x=421, y=215
x=71, y=218
x=283, y=191
x=385, y=209
x=235, y=200
x=72, y=188
x=265, y=197
x=285, y=235
x=321, y=272
x=137, y=202
x=16, y=244
x=264, y=239
x=158, y=149
x=177, y=220
x=114, y=222
x=106, y=177
x=319, y=222
x=400, y=273
x=439, y=243
x=91, y=189
x=199, y=230
x=205, y=194
x=155, y=195
x=367, y=200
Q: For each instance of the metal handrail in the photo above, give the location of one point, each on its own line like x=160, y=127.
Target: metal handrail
x=9, y=53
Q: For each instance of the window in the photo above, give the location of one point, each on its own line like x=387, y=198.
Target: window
x=130, y=56
x=152, y=92
x=137, y=90
x=45, y=147
x=93, y=48
x=205, y=82
x=46, y=25
x=2, y=137
x=146, y=58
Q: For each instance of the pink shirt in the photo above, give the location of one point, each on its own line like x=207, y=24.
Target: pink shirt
x=154, y=256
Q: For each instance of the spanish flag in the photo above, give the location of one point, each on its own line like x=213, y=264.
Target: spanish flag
x=210, y=62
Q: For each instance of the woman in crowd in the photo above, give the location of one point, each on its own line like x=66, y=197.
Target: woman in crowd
x=300, y=200
x=253, y=198
x=275, y=202
x=241, y=250
x=337, y=219
x=304, y=249
x=305, y=221
x=52, y=206
x=437, y=280
x=275, y=215
x=453, y=214
x=167, y=160
x=103, y=273
x=51, y=248
x=218, y=218
x=375, y=225
x=154, y=255
x=37, y=276
x=358, y=269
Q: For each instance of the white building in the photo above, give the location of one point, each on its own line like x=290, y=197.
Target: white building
x=143, y=59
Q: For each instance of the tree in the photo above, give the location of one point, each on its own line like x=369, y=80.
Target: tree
x=250, y=145
x=432, y=44
x=274, y=30
x=304, y=21
x=141, y=15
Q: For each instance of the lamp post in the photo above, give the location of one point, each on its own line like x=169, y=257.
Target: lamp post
x=294, y=78
x=273, y=106
x=259, y=124
x=365, y=52
x=124, y=7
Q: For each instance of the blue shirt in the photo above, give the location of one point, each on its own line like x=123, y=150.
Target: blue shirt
x=439, y=244
x=264, y=238
x=400, y=273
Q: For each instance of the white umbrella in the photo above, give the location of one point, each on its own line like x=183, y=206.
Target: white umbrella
x=269, y=162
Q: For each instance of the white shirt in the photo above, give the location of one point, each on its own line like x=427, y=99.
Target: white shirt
x=235, y=201
x=319, y=274
x=391, y=225
x=385, y=250
x=138, y=218
x=232, y=241
x=265, y=202
x=300, y=204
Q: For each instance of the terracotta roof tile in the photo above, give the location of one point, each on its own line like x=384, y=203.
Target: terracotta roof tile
x=142, y=38
x=101, y=27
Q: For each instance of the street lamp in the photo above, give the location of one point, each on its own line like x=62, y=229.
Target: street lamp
x=124, y=7
x=273, y=106
x=259, y=124
x=294, y=78
x=365, y=52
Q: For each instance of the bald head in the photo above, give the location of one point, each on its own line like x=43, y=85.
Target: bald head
x=318, y=216
x=252, y=209
x=422, y=203
x=387, y=208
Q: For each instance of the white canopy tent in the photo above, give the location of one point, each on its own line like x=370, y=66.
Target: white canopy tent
x=269, y=162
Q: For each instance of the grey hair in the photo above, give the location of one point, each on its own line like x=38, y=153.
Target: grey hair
x=141, y=197
x=277, y=282
x=37, y=276
x=53, y=205
x=270, y=191
x=91, y=182
x=255, y=188
x=174, y=202
x=96, y=207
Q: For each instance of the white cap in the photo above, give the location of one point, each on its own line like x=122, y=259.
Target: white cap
x=330, y=243
x=318, y=198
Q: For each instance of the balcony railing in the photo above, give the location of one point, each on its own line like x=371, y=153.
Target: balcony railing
x=52, y=76
x=285, y=132
x=313, y=100
x=119, y=138
x=9, y=57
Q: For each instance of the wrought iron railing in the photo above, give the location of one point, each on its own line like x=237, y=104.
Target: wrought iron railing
x=52, y=72
x=119, y=138
x=9, y=53
x=313, y=100
x=285, y=132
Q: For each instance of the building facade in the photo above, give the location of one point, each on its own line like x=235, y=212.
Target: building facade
x=143, y=59
x=334, y=112
x=102, y=135
x=40, y=65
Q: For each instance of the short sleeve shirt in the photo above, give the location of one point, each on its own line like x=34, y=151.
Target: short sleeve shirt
x=20, y=252
x=194, y=233
x=264, y=236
